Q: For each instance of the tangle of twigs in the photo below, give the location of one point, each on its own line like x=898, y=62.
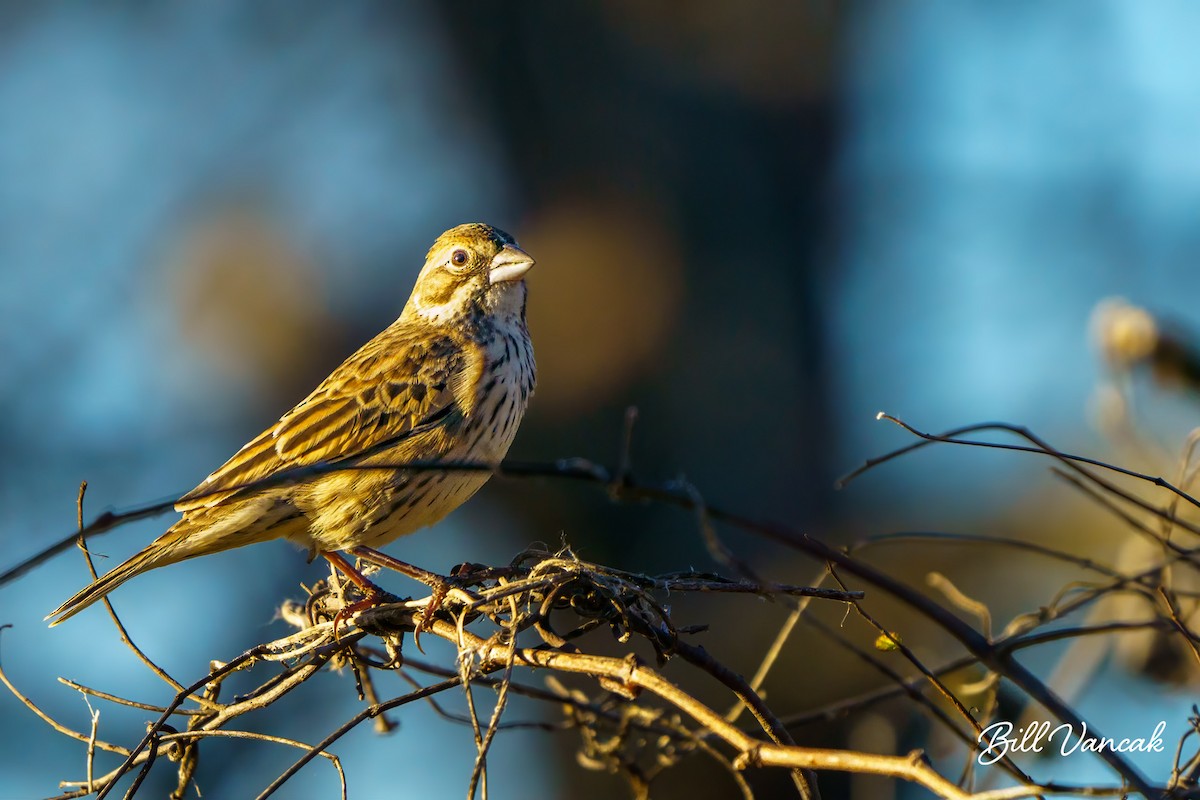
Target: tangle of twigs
x=546, y=612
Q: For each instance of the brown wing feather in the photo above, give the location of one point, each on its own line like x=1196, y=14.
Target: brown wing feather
x=392, y=386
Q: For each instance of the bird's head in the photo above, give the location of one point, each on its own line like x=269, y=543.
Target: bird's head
x=473, y=269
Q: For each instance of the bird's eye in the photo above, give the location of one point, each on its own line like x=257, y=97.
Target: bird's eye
x=459, y=257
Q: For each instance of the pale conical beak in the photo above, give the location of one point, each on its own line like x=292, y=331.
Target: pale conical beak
x=510, y=264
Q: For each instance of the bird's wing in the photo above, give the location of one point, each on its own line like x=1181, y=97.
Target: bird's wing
x=392, y=388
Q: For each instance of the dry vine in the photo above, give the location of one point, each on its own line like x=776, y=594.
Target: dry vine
x=546, y=612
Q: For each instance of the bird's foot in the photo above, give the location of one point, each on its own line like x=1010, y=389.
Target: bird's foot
x=439, y=585
x=372, y=595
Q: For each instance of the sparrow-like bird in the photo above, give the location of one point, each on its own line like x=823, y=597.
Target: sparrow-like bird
x=447, y=381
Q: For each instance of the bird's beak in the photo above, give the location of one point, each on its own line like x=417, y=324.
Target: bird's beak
x=510, y=264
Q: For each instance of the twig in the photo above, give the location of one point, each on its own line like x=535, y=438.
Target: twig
x=112, y=613
x=629, y=675
x=636, y=608
x=91, y=748
x=63, y=729
x=1173, y=615
x=1040, y=448
x=349, y=725
x=930, y=676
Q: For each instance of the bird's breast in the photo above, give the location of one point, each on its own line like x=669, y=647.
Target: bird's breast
x=505, y=386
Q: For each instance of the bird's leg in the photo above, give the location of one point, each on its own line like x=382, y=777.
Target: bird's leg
x=438, y=585
x=346, y=568
x=379, y=559
x=372, y=594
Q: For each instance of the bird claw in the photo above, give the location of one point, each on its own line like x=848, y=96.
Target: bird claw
x=374, y=596
x=437, y=596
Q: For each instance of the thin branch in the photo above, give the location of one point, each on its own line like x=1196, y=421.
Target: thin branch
x=63, y=729
x=81, y=542
x=350, y=724
x=1040, y=448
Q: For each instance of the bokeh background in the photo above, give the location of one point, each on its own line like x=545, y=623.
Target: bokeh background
x=759, y=223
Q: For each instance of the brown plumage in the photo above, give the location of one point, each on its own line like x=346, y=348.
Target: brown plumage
x=449, y=380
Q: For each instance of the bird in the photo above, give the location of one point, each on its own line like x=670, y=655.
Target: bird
x=448, y=381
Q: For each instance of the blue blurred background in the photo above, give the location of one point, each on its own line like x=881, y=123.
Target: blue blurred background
x=760, y=223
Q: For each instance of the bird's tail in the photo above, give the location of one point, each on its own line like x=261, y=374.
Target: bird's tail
x=162, y=551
